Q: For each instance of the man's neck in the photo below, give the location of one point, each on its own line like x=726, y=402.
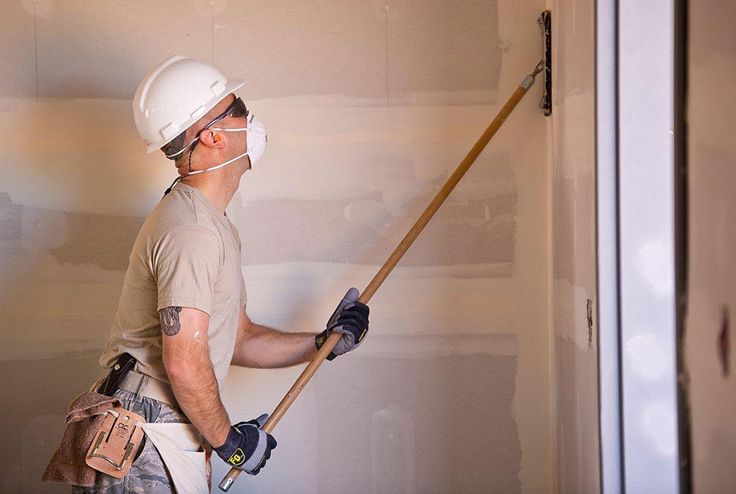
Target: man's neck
x=218, y=186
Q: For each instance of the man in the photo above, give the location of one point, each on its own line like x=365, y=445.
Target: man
x=181, y=315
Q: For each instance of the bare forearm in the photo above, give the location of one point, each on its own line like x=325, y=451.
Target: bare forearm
x=196, y=391
x=265, y=347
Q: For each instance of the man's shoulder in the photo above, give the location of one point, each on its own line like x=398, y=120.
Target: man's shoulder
x=178, y=211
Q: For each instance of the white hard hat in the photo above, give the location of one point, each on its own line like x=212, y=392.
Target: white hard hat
x=174, y=95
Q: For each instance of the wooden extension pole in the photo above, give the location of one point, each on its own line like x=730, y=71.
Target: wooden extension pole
x=395, y=256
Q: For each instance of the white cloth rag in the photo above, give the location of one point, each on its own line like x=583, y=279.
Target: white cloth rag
x=178, y=445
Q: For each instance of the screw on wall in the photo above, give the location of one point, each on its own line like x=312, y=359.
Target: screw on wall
x=724, y=342
x=589, y=315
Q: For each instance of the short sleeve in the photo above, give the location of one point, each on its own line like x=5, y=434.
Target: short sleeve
x=186, y=262
x=243, y=293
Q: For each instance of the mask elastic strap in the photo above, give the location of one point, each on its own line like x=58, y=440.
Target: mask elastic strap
x=244, y=129
x=221, y=165
x=211, y=169
x=232, y=160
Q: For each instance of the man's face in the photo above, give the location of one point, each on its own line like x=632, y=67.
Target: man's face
x=231, y=113
x=235, y=117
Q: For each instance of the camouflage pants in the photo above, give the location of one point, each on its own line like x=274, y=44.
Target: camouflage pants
x=148, y=474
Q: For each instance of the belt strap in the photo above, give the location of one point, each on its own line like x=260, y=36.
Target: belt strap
x=145, y=385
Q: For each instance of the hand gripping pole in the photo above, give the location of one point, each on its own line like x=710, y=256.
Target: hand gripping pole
x=396, y=255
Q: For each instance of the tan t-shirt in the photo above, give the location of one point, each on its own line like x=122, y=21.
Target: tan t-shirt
x=187, y=254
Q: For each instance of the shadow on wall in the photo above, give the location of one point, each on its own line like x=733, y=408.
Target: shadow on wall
x=35, y=397
x=60, y=277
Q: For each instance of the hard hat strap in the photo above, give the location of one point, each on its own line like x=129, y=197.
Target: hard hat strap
x=221, y=165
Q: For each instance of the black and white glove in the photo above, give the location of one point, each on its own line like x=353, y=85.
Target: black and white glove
x=349, y=319
x=247, y=447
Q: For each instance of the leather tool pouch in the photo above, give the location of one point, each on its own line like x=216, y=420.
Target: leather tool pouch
x=116, y=442
x=121, y=367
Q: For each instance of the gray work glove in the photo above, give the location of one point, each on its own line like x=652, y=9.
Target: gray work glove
x=247, y=447
x=350, y=319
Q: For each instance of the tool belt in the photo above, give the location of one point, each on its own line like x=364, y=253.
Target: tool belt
x=122, y=376
x=120, y=436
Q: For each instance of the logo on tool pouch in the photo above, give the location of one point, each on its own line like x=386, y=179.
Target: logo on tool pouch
x=237, y=458
x=120, y=431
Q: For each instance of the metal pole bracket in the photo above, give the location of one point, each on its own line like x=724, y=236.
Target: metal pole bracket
x=545, y=24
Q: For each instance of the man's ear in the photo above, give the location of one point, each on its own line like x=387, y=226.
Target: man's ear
x=212, y=139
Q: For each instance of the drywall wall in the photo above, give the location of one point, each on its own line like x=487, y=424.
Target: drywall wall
x=573, y=288
x=711, y=305
x=369, y=105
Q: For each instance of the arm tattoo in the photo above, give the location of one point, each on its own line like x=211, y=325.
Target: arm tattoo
x=170, y=320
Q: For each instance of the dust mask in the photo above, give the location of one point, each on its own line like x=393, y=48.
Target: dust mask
x=257, y=139
x=256, y=142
